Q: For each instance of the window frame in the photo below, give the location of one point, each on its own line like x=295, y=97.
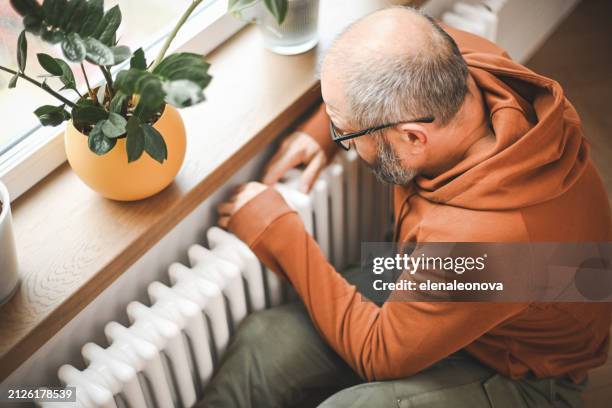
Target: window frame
x=41, y=151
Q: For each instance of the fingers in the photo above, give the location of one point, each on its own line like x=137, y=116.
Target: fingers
x=269, y=172
x=312, y=171
x=236, y=192
x=239, y=189
x=226, y=209
x=272, y=162
x=279, y=167
x=223, y=222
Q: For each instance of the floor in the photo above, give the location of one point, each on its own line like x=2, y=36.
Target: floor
x=579, y=56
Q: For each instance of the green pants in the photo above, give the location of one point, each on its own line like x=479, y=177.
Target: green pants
x=278, y=359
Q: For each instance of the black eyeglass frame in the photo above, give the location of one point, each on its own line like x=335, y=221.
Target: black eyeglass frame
x=338, y=138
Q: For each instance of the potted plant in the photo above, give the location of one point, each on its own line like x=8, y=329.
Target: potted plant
x=9, y=276
x=288, y=27
x=125, y=139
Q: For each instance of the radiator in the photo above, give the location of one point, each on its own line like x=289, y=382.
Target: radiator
x=171, y=348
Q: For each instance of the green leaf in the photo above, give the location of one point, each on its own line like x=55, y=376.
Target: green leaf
x=154, y=143
x=114, y=126
x=59, y=68
x=183, y=93
x=73, y=47
x=48, y=8
x=151, y=92
x=236, y=6
x=53, y=11
x=100, y=95
x=147, y=85
x=67, y=76
x=84, y=115
x=120, y=54
x=178, y=61
x=151, y=97
x=185, y=78
x=98, y=142
x=13, y=81
x=68, y=13
x=22, y=51
x=95, y=11
x=127, y=80
x=185, y=66
x=27, y=7
x=77, y=19
x=49, y=64
x=138, y=61
x=53, y=36
x=98, y=53
x=118, y=102
x=278, y=8
x=86, y=102
x=50, y=115
x=135, y=140
x=189, y=72
x=32, y=24
x=107, y=27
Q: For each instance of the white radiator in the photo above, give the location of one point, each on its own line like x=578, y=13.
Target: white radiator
x=169, y=352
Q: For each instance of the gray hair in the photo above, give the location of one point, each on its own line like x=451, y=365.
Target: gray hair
x=392, y=87
x=387, y=166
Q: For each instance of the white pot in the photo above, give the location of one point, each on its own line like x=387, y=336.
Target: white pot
x=9, y=276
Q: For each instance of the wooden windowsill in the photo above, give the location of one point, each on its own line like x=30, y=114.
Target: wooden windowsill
x=72, y=243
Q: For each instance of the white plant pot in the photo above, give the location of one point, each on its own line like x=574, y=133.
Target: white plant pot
x=9, y=275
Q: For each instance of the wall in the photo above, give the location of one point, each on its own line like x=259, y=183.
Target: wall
x=523, y=24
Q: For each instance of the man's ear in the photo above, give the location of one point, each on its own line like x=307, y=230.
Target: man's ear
x=413, y=136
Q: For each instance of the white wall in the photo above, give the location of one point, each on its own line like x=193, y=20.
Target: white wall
x=523, y=24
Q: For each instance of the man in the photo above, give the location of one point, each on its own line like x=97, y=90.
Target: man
x=481, y=150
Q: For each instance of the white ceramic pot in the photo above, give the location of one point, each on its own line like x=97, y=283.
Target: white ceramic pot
x=9, y=276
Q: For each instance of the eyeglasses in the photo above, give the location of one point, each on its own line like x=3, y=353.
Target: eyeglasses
x=342, y=139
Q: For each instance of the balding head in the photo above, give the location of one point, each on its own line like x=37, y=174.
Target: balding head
x=391, y=31
x=394, y=65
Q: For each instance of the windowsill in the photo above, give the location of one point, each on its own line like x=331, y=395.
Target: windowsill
x=72, y=243
x=41, y=150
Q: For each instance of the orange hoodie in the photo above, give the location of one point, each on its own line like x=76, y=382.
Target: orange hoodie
x=536, y=185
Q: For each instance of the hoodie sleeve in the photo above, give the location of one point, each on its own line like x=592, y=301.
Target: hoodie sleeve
x=394, y=341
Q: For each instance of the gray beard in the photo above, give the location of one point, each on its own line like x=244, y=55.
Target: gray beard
x=388, y=167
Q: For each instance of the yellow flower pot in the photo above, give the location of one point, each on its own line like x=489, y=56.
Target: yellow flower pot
x=113, y=177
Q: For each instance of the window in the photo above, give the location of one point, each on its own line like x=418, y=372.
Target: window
x=28, y=151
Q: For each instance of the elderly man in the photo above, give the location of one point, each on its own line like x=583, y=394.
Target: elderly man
x=480, y=149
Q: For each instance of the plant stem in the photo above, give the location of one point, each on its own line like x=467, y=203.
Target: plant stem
x=109, y=80
x=91, y=92
x=42, y=86
x=172, y=35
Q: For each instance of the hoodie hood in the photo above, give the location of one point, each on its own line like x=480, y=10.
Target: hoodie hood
x=540, y=151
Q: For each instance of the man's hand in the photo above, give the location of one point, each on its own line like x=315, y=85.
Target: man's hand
x=299, y=148
x=242, y=195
